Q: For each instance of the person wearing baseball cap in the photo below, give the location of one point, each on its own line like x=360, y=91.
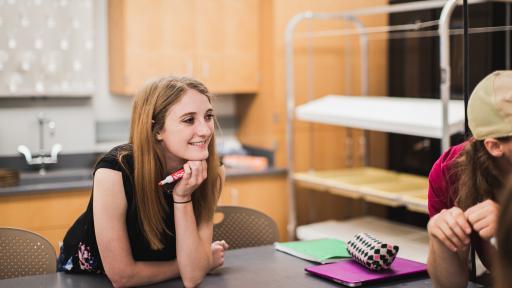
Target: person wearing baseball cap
x=465, y=183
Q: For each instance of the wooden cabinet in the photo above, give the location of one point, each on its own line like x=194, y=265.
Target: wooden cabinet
x=49, y=214
x=215, y=41
x=267, y=194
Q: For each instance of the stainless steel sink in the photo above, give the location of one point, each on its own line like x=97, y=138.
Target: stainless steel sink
x=57, y=176
x=52, y=181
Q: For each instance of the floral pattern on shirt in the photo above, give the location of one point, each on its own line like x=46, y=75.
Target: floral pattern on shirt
x=86, y=259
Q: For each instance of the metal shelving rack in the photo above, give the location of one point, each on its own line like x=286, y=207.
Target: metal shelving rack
x=366, y=113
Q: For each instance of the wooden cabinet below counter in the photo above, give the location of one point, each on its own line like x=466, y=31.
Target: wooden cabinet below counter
x=49, y=214
x=215, y=41
x=265, y=193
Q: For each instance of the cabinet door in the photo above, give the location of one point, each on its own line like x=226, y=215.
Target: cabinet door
x=49, y=214
x=215, y=41
x=178, y=36
x=242, y=40
x=210, y=44
x=267, y=194
x=148, y=39
x=228, y=45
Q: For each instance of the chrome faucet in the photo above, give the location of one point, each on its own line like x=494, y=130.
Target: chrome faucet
x=42, y=158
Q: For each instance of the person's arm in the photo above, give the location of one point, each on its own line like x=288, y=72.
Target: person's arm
x=193, y=243
x=448, y=230
x=109, y=206
x=218, y=247
x=448, y=248
x=447, y=268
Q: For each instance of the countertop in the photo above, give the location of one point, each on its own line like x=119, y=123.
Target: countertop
x=78, y=178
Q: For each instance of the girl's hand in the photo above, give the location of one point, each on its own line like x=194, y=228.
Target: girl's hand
x=484, y=217
x=451, y=227
x=195, y=174
x=218, y=248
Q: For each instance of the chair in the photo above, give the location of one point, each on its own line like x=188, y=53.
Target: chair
x=244, y=227
x=24, y=253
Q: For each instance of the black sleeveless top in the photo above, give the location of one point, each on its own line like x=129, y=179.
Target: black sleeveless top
x=79, y=252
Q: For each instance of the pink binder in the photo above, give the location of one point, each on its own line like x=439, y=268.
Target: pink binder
x=353, y=274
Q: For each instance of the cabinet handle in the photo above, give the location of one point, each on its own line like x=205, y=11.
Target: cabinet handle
x=233, y=192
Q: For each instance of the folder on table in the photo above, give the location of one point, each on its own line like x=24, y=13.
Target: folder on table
x=319, y=250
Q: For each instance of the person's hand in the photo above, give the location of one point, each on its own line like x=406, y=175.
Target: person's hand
x=195, y=174
x=451, y=227
x=483, y=217
x=218, y=248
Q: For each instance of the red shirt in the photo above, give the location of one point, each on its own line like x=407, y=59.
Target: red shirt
x=441, y=194
x=441, y=181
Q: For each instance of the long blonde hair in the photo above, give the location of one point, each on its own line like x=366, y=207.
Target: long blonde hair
x=150, y=109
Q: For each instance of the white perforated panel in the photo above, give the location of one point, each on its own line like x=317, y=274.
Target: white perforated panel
x=46, y=48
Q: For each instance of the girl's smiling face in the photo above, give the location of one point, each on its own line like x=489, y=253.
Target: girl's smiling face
x=188, y=128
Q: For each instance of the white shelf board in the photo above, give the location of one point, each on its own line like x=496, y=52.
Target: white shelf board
x=411, y=116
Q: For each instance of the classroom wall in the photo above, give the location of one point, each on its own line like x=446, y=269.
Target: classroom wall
x=75, y=118
x=82, y=124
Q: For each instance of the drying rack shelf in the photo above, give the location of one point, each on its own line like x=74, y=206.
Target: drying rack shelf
x=411, y=116
x=371, y=184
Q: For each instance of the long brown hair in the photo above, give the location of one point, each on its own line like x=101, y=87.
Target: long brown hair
x=503, y=261
x=480, y=176
x=150, y=109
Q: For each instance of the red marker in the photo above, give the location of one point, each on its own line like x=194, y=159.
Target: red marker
x=174, y=176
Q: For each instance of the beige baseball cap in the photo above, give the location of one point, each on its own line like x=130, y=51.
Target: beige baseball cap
x=490, y=106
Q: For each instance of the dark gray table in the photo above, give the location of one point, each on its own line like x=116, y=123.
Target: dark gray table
x=250, y=267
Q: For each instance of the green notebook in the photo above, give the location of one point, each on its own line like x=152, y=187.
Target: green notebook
x=319, y=250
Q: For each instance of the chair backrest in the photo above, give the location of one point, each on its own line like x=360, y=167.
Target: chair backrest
x=24, y=253
x=244, y=227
